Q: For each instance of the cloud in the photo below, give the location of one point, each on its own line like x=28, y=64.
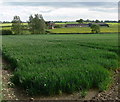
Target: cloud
x=65, y=11
x=110, y=10
x=64, y=4
x=77, y=13
x=61, y=0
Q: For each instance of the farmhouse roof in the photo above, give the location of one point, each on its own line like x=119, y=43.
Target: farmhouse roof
x=76, y=24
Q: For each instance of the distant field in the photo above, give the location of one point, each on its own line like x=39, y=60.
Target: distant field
x=84, y=22
x=7, y=26
x=10, y=24
x=112, y=28
x=56, y=64
x=113, y=23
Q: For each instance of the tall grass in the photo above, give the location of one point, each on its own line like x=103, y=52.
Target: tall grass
x=54, y=64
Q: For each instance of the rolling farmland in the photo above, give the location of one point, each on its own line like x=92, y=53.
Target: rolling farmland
x=54, y=64
x=112, y=29
x=7, y=26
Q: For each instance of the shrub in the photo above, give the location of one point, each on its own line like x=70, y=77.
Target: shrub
x=95, y=28
x=7, y=32
x=58, y=26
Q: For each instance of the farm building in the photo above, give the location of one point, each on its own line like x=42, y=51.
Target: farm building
x=85, y=25
x=101, y=24
x=50, y=25
x=77, y=25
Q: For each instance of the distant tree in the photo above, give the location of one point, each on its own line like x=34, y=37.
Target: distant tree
x=95, y=28
x=80, y=21
x=36, y=24
x=16, y=25
x=87, y=20
x=6, y=22
x=31, y=24
x=58, y=26
x=97, y=21
x=118, y=21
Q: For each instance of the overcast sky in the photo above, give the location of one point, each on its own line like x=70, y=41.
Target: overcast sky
x=57, y=11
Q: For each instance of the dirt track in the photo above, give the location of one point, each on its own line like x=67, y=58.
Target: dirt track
x=114, y=92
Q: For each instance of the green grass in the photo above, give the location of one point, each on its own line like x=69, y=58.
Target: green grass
x=0, y=70
x=10, y=24
x=0, y=83
x=113, y=23
x=55, y=64
x=112, y=28
x=71, y=30
x=7, y=26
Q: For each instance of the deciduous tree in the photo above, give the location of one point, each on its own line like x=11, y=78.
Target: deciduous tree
x=36, y=24
x=97, y=21
x=95, y=28
x=16, y=25
x=80, y=21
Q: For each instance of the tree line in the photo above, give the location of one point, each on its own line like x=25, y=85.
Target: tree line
x=36, y=25
x=97, y=21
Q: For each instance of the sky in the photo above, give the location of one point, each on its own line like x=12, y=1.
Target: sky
x=61, y=10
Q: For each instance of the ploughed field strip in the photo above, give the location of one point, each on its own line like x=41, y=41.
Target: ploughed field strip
x=55, y=64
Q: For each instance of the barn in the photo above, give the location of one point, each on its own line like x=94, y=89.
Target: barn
x=50, y=24
x=101, y=24
x=77, y=25
x=85, y=25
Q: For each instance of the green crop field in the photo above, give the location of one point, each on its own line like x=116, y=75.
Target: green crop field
x=10, y=24
x=54, y=64
x=71, y=30
x=113, y=23
x=7, y=26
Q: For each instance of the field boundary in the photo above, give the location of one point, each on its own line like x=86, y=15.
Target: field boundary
x=86, y=33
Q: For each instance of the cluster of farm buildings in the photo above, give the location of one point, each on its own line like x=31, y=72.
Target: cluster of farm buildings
x=52, y=25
